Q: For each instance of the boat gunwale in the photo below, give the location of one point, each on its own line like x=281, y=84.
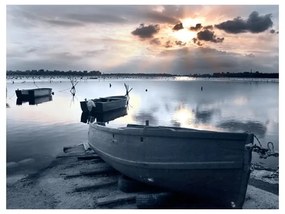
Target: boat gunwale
x=35, y=89
x=149, y=131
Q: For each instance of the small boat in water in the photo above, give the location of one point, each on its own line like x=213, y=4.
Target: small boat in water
x=105, y=104
x=206, y=165
x=33, y=93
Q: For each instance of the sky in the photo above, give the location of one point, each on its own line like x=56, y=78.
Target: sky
x=182, y=39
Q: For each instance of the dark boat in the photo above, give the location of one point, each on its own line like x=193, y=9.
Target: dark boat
x=33, y=93
x=105, y=104
x=103, y=117
x=207, y=165
x=34, y=100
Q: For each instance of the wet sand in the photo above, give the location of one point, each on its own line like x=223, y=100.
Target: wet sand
x=79, y=179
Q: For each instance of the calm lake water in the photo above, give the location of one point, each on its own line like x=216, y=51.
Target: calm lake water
x=37, y=133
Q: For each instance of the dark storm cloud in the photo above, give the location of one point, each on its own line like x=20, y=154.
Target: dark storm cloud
x=145, y=32
x=196, y=28
x=178, y=26
x=209, y=36
x=255, y=24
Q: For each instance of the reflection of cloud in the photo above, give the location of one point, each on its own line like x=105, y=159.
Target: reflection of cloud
x=143, y=116
x=240, y=101
x=21, y=163
x=204, y=116
x=183, y=116
x=250, y=126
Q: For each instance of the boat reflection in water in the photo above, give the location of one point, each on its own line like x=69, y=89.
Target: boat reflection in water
x=34, y=100
x=104, y=116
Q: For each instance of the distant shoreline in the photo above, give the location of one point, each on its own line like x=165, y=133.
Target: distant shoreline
x=98, y=74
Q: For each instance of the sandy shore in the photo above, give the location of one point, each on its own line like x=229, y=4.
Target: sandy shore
x=62, y=186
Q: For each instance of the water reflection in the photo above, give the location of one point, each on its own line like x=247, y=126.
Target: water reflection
x=255, y=127
x=204, y=116
x=221, y=106
x=103, y=117
x=141, y=117
x=183, y=116
x=34, y=100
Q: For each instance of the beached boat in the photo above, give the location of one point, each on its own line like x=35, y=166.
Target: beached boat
x=105, y=104
x=33, y=93
x=206, y=165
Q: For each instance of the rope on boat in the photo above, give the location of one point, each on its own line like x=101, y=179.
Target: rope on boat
x=264, y=152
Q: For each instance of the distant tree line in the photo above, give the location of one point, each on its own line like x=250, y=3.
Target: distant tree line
x=137, y=75
x=238, y=75
x=42, y=72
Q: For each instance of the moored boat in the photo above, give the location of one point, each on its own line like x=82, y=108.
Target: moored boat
x=33, y=93
x=208, y=165
x=105, y=104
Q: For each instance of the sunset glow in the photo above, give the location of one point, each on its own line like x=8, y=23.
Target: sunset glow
x=142, y=39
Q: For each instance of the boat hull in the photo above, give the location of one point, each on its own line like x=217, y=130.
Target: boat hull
x=33, y=93
x=206, y=165
x=105, y=104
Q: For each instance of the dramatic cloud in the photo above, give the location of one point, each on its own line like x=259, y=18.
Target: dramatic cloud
x=197, y=42
x=180, y=43
x=178, y=26
x=160, y=17
x=168, y=44
x=78, y=37
x=254, y=24
x=208, y=27
x=209, y=36
x=197, y=27
x=145, y=32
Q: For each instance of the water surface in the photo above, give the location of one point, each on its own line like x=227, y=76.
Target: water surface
x=37, y=133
